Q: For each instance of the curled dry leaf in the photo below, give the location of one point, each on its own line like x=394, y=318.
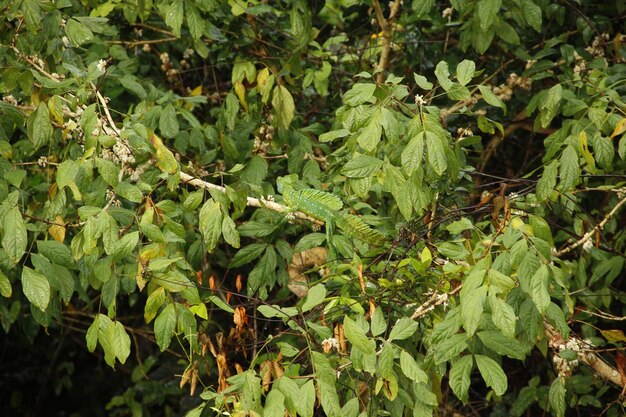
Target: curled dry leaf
x=300, y=263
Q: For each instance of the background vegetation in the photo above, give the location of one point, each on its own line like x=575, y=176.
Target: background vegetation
x=332, y=208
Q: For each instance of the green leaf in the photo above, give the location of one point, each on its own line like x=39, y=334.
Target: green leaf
x=472, y=306
x=193, y=200
x=5, y=286
x=369, y=137
x=194, y=21
x=435, y=149
x=465, y=71
x=14, y=237
x=621, y=147
x=325, y=376
x=357, y=337
x=532, y=14
x=603, y=151
x=378, y=323
x=211, y=223
x=449, y=348
x=556, y=397
x=422, y=7
x=92, y=333
x=164, y=326
x=230, y=233
x=547, y=182
x=492, y=373
x=129, y=191
x=315, y=297
x=487, y=11
x=443, y=75
x=283, y=104
x=121, y=342
x=39, y=127
x=126, y=245
x=411, y=369
x=413, y=153
x=502, y=345
x=174, y=16
x=333, y=134
x=165, y=159
x=403, y=329
x=550, y=105
x=570, y=170
x=109, y=171
x=247, y=254
x=359, y=94
x=153, y=303
x=77, y=32
x=539, y=288
x=491, y=98
x=422, y=82
x=274, y=404
x=460, y=376
x=361, y=166
x=168, y=122
x=306, y=403
x=36, y=288
x=503, y=316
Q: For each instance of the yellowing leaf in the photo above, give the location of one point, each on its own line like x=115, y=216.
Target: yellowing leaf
x=196, y=91
x=241, y=94
x=620, y=128
x=614, y=336
x=57, y=230
x=584, y=149
x=165, y=159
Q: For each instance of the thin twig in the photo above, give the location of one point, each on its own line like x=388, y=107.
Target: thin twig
x=593, y=231
x=387, y=28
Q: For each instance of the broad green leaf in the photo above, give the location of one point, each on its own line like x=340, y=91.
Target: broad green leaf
x=289, y=388
x=503, y=316
x=164, y=326
x=491, y=98
x=492, y=373
x=325, y=377
x=153, y=304
x=556, y=397
x=121, y=341
x=603, y=151
x=465, y=71
x=369, y=137
x=334, y=134
x=126, y=245
x=359, y=94
x=194, y=21
x=14, y=237
x=532, y=14
x=378, y=323
x=168, y=122
x=443, y=75
x=283, y=104
x=357, y=337
x=274, y=404
x=129, y=191
x=422, y=7
x=385, y=362
x=435, y=150
x=422, y=82
x=247, y=254
x=403, y=329
x=550, y=105
x=230, y=233
x=487, y=11
x=77, y=32
x=570, y=170
x=211, y=223
x=109, y=171
x=306, y=403
x=502, y=345
x=449, y=348
x=39, y=127
x=174, y=16
x=539, y=288
x=36, y=288
x=193, y=200
x=5, y=286
x=472, y=306
x=411, y=369
x=413, y=153
x=92, y=333
x=460, y=376
x=361, y=166
x=315, y=297
x=547, y=182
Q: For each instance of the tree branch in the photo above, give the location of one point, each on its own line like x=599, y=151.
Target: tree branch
x=386, y=26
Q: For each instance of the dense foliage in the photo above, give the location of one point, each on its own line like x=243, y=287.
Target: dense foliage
x=300, y=208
